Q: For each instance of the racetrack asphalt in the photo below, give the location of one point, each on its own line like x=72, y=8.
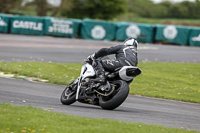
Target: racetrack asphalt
x=135, y=109
x=54, y=49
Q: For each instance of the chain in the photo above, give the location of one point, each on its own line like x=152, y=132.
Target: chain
x=105, y=94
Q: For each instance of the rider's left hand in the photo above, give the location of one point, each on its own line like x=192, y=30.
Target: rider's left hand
x=91, y=57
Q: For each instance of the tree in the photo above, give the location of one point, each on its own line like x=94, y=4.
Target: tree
x=7, y=5
x=65, y=5
x=143, y=8
x=41, y=7
x=191, y=12
x=44, y=8
x=197, y=8
x=178, y=11
x=163, y=10
x=96, y=9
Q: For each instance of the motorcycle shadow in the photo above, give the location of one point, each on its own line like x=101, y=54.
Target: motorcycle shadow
x=94, y=108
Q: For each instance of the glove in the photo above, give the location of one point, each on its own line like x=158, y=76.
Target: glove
x=91, y=57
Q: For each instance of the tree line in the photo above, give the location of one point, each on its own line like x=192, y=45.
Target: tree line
x=104, y=9
x=166, y=9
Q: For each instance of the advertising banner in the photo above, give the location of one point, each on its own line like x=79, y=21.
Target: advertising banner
x=62, y=27
x=98, y=30
x=141, y=32
x=194, y=38
x=27, y=25
x=4, y=23
x=173, y=34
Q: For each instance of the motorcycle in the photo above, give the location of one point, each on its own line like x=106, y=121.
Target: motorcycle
x=109, y=95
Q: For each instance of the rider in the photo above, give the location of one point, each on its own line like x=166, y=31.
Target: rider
x=126, y=55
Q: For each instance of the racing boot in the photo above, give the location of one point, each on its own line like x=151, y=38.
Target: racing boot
x=100, y=74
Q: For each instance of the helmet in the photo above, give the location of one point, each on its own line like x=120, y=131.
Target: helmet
x=131, y=42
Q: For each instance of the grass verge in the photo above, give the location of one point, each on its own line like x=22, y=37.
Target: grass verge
x=33, y=120
x=167, y=21
x=178, y=81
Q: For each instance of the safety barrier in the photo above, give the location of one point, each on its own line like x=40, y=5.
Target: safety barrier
x=142, y=32
x=194, y=37
x=61, y=27
x=4, y=23
x=173, y=34
x=99, y=30
x=27, y=25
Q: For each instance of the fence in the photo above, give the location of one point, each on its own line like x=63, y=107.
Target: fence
x=99, y=30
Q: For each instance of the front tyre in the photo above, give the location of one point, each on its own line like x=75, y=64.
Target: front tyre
x=68, y=96
x=117, y=97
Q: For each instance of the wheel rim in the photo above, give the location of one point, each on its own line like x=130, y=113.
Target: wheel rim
x=68, y=93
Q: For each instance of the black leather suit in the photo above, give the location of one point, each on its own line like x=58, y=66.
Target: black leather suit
x=126, y=55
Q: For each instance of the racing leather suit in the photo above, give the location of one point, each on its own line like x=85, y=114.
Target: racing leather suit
x=126, y=55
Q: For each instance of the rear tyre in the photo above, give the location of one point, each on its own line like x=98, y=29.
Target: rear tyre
x=117, y=97
x=69, y=94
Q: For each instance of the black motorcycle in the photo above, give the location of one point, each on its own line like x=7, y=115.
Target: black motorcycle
x=109, y=95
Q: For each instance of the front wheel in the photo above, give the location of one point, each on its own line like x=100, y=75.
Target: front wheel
x=68, y=96
x=117, y=97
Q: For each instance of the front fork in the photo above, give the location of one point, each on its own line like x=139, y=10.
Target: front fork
x=79, y=86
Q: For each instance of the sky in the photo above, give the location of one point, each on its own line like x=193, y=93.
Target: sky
x=53, y=2
x=157, y=1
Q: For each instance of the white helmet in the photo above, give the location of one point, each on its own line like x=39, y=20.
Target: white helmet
x=131, y=42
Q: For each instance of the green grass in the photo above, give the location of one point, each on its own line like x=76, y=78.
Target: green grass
x=131, y=18
x=177, y=81
x=161, y=21
x=16, y=119
x=56, y=73
x=154, y=21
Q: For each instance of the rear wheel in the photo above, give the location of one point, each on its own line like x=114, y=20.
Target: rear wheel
x=69, y=94
x=117, y=97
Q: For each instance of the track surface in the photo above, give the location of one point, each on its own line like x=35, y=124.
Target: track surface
x=32, y=48
x=135, y=108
